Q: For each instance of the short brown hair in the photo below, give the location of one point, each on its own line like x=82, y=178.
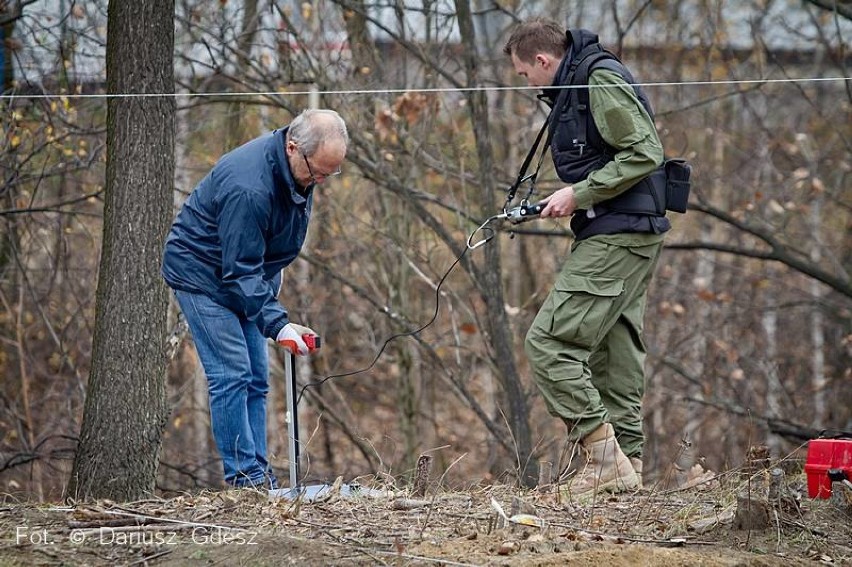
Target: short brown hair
x=534, y=36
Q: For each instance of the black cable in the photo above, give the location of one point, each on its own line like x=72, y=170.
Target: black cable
x=392, y=337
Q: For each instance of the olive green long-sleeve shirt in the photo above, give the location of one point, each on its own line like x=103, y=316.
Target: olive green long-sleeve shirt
x=625, y=125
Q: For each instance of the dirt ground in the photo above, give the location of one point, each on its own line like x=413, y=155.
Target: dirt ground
x=699, y=526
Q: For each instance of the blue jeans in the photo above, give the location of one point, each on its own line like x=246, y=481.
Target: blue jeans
x=235, y=358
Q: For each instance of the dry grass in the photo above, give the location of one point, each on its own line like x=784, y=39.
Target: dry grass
x=690, y=526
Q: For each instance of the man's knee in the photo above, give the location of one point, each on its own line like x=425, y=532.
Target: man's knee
x=536, y=343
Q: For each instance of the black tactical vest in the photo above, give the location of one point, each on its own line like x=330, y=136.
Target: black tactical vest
x=576, y=144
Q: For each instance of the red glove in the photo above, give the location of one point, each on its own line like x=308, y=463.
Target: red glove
x=298, y=339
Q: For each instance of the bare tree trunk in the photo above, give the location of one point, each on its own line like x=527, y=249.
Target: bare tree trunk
x=29, y=425
x=704, y=280
x=7, y=73
x=774, y=390
x=819, y=381
x=769, y=315
x=408, y=405
x=406, y=390
x=125, y=411
x=489, y=276
x=365, y=60
x=236, y=130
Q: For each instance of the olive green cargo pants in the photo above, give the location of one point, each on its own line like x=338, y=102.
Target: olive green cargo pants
x=585, y=345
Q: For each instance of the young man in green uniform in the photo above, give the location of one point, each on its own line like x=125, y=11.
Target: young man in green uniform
x=585, y=345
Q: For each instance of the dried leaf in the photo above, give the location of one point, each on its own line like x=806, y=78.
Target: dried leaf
x=705, y=295
x=409, y=106
x=385, y=125
x=468, y=328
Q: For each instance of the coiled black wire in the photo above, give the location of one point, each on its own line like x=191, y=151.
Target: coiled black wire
x=396, y=336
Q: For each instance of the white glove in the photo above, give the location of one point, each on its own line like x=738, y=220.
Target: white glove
x=302, y=330
x=291, y=337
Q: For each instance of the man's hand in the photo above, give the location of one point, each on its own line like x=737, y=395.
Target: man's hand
x=313, y=343
x=290, y=337
x=560, y=204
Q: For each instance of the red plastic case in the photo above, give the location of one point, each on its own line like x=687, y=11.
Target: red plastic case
x=825, y=455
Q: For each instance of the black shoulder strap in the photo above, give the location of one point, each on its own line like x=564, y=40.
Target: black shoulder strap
x=581, y=67
x=578, y=77
x=522, y=173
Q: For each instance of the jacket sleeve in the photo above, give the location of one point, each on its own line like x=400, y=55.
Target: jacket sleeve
x=625, y=125
x=242, y=220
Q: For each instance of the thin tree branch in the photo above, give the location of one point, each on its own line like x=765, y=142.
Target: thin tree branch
x=53, y=207
x=778, y=251
x=25, y=457
x=778, y=426
x=837, y=6
x=16, y=12
x=402, y=320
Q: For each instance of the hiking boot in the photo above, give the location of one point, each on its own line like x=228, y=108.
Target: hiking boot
x=607, y=468
x=637, y=466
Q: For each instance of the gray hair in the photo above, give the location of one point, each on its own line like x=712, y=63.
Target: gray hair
x=314, y=126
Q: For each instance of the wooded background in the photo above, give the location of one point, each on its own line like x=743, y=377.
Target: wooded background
x=748, y=321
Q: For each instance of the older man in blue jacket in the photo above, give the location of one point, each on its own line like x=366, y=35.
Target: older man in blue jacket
x=243, y=223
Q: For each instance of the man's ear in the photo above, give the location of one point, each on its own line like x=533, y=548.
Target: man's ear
x=542, y=59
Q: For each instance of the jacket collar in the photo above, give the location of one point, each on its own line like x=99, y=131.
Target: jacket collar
x=578, y=39
x=550, y=93
x=283, y=174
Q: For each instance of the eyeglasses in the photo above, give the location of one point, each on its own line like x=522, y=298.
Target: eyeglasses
x=320, y=174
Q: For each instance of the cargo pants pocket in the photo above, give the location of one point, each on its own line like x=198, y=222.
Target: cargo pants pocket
x=584, y=308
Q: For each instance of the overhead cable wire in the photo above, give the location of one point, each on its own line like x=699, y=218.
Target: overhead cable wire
x=409, y=90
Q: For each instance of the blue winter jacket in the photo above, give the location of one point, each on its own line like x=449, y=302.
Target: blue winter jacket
x=242, y=224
